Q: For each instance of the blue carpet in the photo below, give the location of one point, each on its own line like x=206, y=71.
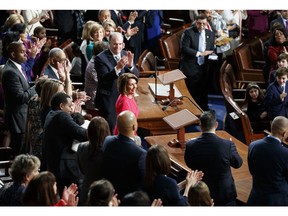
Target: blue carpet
x=215, y=102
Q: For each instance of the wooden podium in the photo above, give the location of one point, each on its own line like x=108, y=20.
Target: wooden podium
x=178, y=121
x=170, y=78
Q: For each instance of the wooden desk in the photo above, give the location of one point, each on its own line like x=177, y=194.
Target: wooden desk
x=151, y=115
x=242, y=176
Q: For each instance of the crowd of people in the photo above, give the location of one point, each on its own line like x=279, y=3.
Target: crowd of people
x=60, y=162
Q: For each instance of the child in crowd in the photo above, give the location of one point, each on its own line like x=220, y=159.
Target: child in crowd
x=276, y=95
x=282, y=62
x=254, y=98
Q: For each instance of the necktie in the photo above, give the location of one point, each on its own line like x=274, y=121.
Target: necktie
x=23, y=73
x=201, y=48
x=117, y=58
x=287, y=25
x=282, y=88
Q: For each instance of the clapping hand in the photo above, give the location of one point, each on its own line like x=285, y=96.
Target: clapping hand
x=69, y=195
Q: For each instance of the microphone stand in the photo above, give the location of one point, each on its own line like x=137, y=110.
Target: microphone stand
x=156, y=75
x=181, y=98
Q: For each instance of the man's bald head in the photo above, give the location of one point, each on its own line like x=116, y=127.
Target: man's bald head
x=279, y=126
x=127, y=123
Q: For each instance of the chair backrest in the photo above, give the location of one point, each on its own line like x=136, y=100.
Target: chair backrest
x=146, y=61
x=238, y=124
x=6, y=159
x=257, y=49
x=170, y=49
x=227, y=79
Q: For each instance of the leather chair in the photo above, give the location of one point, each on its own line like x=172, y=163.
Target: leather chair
x=170, y=48
x=235, y=89
x=238, y=124
x=246, y=69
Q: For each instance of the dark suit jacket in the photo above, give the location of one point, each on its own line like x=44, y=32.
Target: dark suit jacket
x=278, y=20
x=268, y=165
x=17, y=94
x=167, y=190
x=91, y=166
x=214, y=156
x=276, y=107
x=189, y=47
x=107, y=92
x=49, y=72
x=59, y=132
x=124, y=164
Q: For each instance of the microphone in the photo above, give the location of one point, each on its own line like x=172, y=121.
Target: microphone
x=181, y=98
x=171, y=102
x=156, y=74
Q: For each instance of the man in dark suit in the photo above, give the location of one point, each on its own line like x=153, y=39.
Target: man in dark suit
x=214, y=156
x=56, y=56
x=124, y=159
x=109, y=65
x=268, y=165
x=17, y=94
x=197, y=43
x=59, y=132
x=282, y=20
x=276, y=99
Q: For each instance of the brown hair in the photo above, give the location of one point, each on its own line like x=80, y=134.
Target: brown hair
x=40, y=191
x=157, y=163
x=123, y=81
x=199, y=195
x=253, y=85
x=101, y=193
x=49, y=89
x=281, y=72
x=98, y=130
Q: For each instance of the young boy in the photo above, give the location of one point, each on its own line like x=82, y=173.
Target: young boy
x=276, y=99
x=282, y=62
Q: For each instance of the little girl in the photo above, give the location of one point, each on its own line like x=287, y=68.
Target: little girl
x=254, y=98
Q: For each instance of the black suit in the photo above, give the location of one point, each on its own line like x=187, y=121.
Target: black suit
x=196, y=80
x=17, y=94
x=59, y=132
x=107, y=92
x=214, y=156
x=124, y=164
x=268, y=165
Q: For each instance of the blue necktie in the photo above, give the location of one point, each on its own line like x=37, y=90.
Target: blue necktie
x=202, y=47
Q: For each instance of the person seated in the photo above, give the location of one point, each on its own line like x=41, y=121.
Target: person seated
x=22, y=170
x=199, y=195
x=102, y=193
x=256, y=110
x=282, y=62
x=139, y=198
x=42, y=191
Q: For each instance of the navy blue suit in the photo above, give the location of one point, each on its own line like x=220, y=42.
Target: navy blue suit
x=268, y=165
x=166, y=188
x=49, y=72
x=214, y=156
x=107, y=93
x=124, y=164
x=196, y=80
x=275, y=106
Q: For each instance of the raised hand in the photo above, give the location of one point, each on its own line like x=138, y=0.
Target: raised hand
x=67, y=192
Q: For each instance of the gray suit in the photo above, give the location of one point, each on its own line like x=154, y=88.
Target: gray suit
x=17, y=94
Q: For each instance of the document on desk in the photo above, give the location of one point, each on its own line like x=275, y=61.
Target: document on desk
x=163, y=90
